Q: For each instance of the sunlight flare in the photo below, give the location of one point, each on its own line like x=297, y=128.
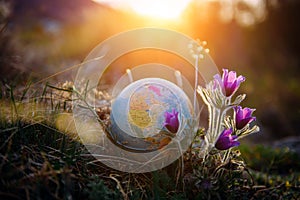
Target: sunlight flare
x=163, y=9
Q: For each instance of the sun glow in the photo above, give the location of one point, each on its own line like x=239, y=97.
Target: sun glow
x=164, y=9
x=159, y=9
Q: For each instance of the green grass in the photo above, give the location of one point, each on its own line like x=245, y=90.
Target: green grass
x=41, y=157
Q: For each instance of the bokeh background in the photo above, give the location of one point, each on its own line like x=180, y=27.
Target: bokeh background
x=257, y=38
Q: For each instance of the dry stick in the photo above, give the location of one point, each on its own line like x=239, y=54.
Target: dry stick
x=119, y=186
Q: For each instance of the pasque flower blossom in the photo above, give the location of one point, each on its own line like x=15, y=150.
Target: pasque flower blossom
x=243, y=116
x=172, y=121
x=229, y=83
x=226, y=140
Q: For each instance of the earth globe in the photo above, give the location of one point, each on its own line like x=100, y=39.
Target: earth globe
x=139, y=113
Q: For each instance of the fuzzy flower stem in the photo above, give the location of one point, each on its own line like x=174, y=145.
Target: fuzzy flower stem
x=210, y=125
x=226, y=156
x=212, y=129
x=218, y=116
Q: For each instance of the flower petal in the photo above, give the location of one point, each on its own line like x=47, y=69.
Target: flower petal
x=243, y=116
x=171, y=121
x=226, y=140
x=229, y=83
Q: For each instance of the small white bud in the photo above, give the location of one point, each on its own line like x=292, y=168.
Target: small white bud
x=199, y=49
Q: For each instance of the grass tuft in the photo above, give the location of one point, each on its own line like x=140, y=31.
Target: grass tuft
x=42, y=157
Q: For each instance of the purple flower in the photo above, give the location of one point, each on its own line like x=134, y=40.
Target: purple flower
x=226, y=140
x=171, y=121
x=243, y=116
x=229, y=82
